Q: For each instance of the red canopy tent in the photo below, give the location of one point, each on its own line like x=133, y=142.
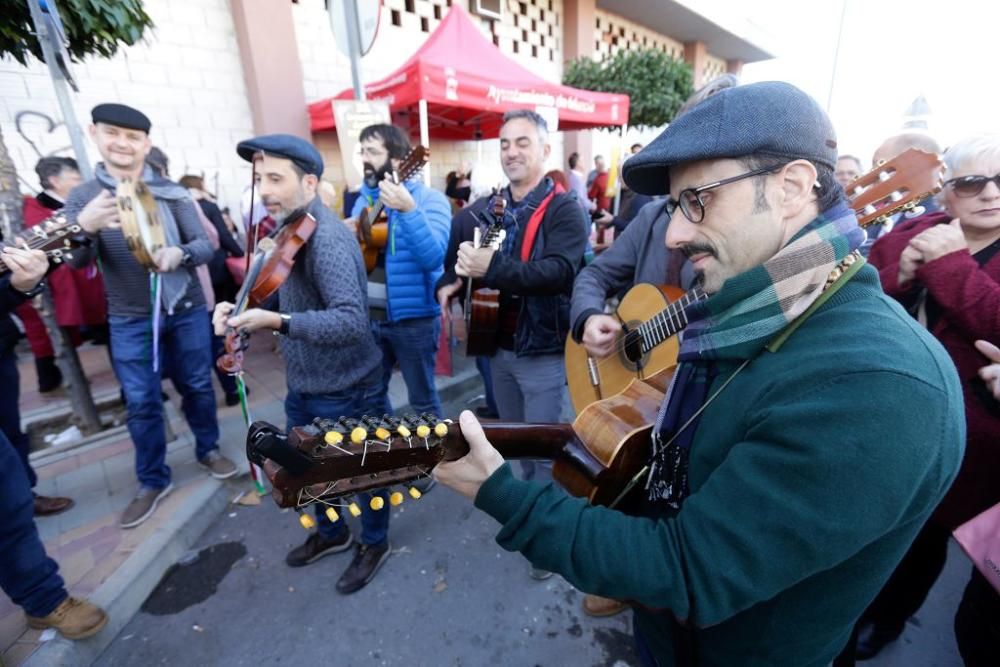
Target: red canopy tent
x=467, y=84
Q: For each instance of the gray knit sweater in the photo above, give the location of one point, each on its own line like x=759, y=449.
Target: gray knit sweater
x=330, y=346
x=126, y=281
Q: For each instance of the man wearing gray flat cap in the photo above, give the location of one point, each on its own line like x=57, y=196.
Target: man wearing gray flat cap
x=777, y=498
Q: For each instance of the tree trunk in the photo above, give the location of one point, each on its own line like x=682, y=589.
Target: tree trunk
x=76, y=382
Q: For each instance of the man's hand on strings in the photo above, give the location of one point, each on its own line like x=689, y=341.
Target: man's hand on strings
x=219, y=317
x=395, y=195
x=473, y=262
x=468, y=473
x=27, y=267
x=254, y=319
x=599, y=335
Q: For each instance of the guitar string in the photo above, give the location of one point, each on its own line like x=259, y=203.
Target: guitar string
x=675, y=311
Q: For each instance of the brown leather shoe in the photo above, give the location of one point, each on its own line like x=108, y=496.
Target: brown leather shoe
x=49, y=505
x=74, y=619
x=595, y=605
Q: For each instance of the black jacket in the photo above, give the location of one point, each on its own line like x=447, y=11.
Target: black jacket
x=545, y=281
x=228, y=247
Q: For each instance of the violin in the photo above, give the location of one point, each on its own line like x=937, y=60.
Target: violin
x=270, y=265
x=291, y=238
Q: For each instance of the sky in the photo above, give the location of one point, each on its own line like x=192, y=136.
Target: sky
x=891, y=51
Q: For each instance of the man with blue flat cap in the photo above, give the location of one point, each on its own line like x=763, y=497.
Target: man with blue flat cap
x=777, y=498
x=333, y=366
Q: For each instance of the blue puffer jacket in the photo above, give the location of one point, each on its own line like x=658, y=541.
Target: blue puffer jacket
x=414, y=255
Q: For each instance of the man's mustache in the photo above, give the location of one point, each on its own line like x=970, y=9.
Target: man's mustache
x=699, y=249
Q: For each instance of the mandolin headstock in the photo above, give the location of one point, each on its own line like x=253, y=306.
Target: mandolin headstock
x=333, y=458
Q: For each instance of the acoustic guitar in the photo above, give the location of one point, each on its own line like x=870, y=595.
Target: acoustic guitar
x=54, y=236
x=373, y=225
x=650, y=315
x=482, y=304
x=601, y=456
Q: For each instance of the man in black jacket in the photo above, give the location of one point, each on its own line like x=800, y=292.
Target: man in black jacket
x=546, y=233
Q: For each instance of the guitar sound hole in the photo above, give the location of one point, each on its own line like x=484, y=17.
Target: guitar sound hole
x=632, y=348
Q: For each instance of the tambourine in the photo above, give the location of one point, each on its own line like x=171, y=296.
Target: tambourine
x=140, y=221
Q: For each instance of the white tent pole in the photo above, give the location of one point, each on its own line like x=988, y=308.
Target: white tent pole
x=425, y=139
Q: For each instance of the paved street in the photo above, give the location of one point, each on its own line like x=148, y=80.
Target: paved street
x=448, y=596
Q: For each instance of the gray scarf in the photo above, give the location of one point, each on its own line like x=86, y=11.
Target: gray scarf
x=174, y=284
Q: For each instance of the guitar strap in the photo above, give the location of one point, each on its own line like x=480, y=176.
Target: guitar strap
x=535, y=221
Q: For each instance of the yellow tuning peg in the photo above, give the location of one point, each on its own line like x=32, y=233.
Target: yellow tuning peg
x=403, y=431
x=396, y=498
x=423, y=431
x=358, y=435
x=354, y=509
x=382, y=434
x=307, y=521
x=376, y=503
x=333, y=437
x=441, y=429
x=332, y=515
x=414, y=492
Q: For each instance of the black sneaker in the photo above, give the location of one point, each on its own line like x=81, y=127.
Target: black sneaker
x=367, y=560
x=315, y=547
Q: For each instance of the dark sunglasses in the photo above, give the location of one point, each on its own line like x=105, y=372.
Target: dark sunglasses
x=970, y=186
x=689, y=200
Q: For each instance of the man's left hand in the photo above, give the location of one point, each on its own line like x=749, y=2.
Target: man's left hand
x=395, y=195
x=940, y=240
x=468, y=473
x=27, y=267
x=473, y=262
x=168, y=259
x=254, y=319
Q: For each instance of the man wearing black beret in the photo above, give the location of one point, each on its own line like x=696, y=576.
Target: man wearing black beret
x=166, y=306
x=333, y=366
x=778, y=496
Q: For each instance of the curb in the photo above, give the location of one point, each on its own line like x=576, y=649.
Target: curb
x=123, y=592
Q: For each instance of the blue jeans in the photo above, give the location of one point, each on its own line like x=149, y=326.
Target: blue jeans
x=483, y=366
x=364, y=399
x=10, y=414
x=186, y=358
x=27, y=574
x=413, y=344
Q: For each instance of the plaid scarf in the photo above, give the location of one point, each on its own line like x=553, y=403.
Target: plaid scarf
x=735, y=324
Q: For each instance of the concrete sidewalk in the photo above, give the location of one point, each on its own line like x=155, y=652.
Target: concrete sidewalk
x=119, y=568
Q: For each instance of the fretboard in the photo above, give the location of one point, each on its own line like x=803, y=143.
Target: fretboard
x=668, y=321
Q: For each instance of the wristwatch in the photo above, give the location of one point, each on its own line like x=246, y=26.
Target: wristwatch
x=286, y=322
x=186, y=259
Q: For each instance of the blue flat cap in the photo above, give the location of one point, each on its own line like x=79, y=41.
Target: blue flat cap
x=121, y=115
x=769, y=118
x=288, y=146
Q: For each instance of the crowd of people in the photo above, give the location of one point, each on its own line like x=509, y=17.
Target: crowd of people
x=833, y=416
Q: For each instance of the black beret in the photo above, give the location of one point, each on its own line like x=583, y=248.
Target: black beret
x=121, y=115
x=288, y=146
x=768, y=118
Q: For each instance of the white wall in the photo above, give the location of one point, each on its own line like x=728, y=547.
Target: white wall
x=185, y=75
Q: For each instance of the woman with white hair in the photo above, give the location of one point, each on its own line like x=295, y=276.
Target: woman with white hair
x=944, y=268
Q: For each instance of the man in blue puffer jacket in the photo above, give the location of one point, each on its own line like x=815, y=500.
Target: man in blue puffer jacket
x=404, y=311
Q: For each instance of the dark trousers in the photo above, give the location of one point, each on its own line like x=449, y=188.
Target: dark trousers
x=10, y=414
x=27, y=575
x=483, y=365
x=186, y=358
x=912, y=580
x=977, y=623
x=365, y=399
x=412, y=344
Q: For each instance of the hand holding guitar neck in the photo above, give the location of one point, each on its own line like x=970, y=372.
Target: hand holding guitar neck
x=27, y=266
x=394, y=195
